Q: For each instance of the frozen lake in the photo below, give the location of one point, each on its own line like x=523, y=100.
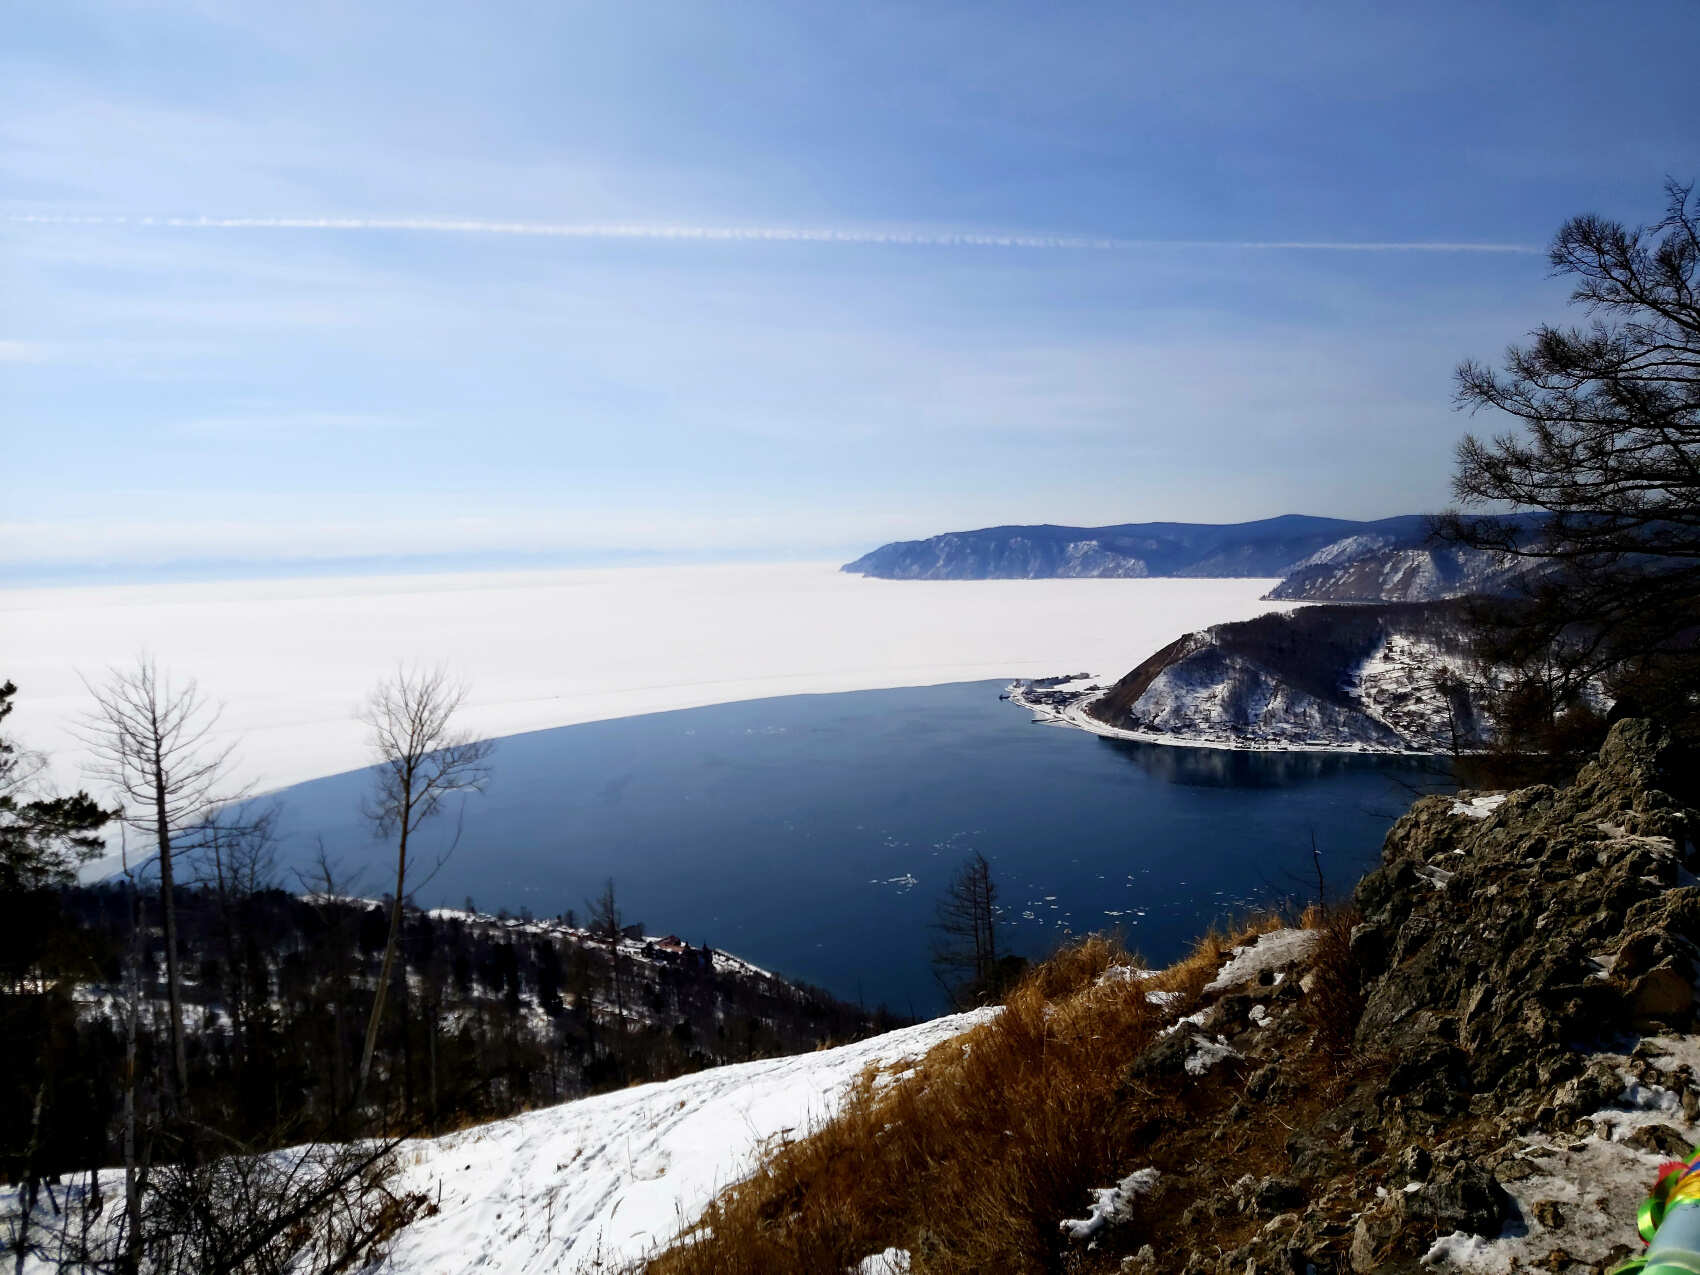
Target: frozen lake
x=292, y=659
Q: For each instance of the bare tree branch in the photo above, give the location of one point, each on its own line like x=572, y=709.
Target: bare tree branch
x=421, y=761
x=153, y=742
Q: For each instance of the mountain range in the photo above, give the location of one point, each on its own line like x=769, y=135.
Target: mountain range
x=1317, y=559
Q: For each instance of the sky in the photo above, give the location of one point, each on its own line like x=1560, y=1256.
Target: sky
x=311, y=283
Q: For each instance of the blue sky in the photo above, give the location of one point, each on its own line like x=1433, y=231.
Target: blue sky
x=341, y=281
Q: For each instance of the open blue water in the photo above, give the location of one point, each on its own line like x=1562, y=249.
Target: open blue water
x=813, y=834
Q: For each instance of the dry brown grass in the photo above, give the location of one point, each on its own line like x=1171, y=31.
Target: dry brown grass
x=1336, y=998
x=970, y=1161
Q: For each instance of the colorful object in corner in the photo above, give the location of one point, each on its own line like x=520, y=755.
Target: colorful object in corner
x=1669, y=1222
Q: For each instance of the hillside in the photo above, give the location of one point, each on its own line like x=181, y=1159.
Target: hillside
x=588, y=1185
x=1372, y=569
x=499, y=1014
x=600, y=1182
x=1374, y=678
x=1321, y=559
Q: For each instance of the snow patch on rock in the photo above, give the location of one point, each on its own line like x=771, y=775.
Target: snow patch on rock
x=1205, y=1054
x=1479, y=807
x=1267, y=953
x=1110, y=1204
x=894, y=1261
x=1462, y=1251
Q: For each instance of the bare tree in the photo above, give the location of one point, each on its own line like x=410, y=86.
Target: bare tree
x=606, y=923
x=238, y=859
x=421, y=760
x=153, y=742
x=319, y=1208
x=965, y=947
x=136, y=1156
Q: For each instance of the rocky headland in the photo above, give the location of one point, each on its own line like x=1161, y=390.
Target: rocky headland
x=1387, y=678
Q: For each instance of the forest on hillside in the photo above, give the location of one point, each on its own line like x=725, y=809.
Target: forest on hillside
x=493, y=1015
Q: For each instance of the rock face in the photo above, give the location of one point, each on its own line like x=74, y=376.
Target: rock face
x=1506, y=952
x=1495, y=946
x=1512, y=1016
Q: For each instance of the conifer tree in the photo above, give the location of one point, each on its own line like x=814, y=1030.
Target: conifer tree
x=1607, y=448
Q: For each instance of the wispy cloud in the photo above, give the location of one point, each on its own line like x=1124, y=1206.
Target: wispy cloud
x=286, y=424
x=12, y=351
x=759, y=234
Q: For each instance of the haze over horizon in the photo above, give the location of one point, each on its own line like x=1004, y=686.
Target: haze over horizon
x=409, y=284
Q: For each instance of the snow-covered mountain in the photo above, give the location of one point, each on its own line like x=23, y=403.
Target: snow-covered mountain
x=1318, y=559
x=1269, y=547
x=1386, y=678
x=1378, y=569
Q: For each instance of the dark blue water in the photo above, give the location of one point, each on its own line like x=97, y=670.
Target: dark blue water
x=813, y=834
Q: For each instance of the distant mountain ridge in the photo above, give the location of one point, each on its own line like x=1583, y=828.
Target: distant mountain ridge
x=1363, y=571
x=1318, y=559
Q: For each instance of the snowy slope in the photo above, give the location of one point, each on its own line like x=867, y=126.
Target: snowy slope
x=1359, y=569
x=1348, y=549
x=594, y=1184
x=1400, y=687
x=1214, y=694
x=610, y=1177
x=1389, y=698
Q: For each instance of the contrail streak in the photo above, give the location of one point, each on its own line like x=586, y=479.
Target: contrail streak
x=754, y=234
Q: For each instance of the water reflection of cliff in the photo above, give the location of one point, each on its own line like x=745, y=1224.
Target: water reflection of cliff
x=1231, y=768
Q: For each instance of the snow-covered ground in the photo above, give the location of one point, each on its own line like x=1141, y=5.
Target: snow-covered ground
x=292, y=659
x=1400, y=687
x=614, y=1176
x=596, y=1183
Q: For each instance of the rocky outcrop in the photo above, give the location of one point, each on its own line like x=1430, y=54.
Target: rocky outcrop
x=1504, y=943
x=1513, y=1012
x=1511, y=956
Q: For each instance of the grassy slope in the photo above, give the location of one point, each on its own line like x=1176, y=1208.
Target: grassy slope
x=971, y=1162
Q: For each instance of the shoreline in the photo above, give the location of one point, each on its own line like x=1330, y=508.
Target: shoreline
x=1072, y=714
